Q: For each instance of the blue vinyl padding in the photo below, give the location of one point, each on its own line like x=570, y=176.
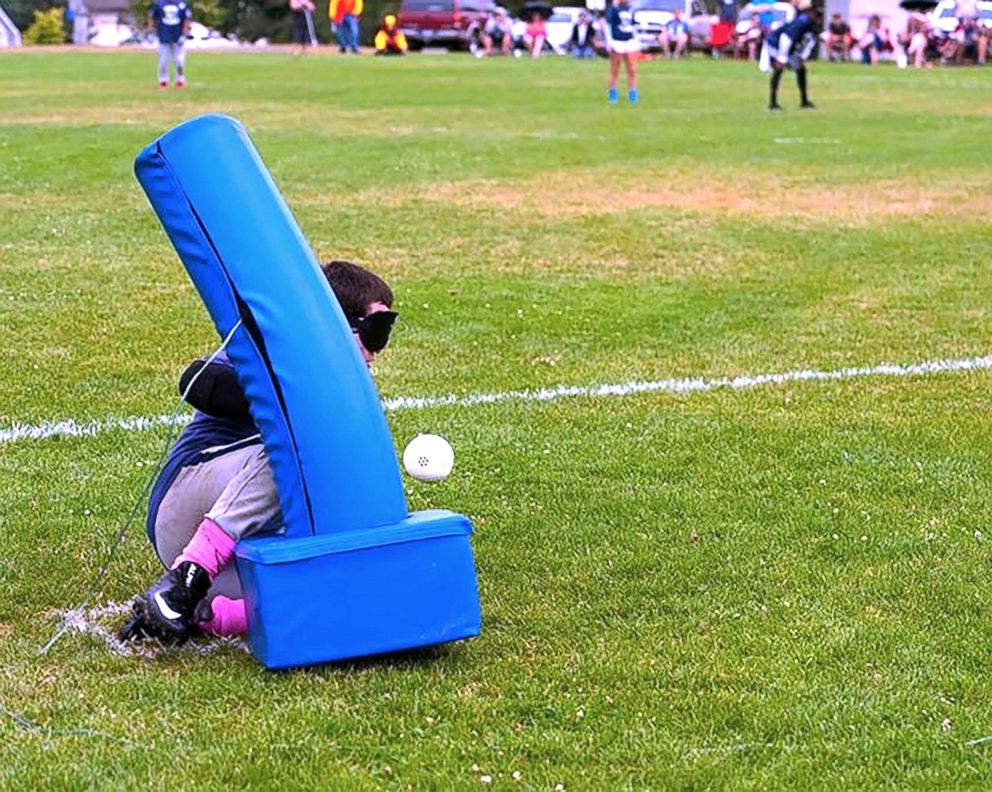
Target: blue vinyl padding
x=352, y=574
x=249, y=259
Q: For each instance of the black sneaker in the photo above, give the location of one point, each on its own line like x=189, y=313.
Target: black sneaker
x=807, y=106
x=166, y=610
x=774, y=106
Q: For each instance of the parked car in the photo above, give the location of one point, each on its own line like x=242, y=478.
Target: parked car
x=442, y=23
x=944, y=16
x=652, y=15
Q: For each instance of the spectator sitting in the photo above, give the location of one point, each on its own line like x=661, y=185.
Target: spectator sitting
x=838, y=38
x=675, y=32
x=581, y=41
x=874, y=41
x=537, y=34
x=984, y=33
x=389, y=40
x=749, y=40
x=914, y=42
x=498, y=32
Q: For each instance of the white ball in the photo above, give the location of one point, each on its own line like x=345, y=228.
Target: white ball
x=429, y=457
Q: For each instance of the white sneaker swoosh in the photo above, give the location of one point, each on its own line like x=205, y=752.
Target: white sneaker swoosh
x=163, y=606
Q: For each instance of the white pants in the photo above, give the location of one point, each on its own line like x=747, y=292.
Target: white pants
x=175, y=52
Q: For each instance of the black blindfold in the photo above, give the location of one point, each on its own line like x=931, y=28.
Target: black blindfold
x=374, y=329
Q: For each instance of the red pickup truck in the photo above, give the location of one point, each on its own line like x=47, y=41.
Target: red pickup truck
x=441, y=23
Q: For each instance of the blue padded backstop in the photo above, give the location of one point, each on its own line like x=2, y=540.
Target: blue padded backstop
x=353, y=573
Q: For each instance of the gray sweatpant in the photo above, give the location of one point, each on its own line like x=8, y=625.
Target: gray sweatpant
x=175, y=52
x=235, y=490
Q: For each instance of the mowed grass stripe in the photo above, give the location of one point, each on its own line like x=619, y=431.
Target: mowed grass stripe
x=768, y=587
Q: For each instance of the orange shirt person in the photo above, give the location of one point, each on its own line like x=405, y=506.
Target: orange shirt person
x=344, y=15
x=389, y=40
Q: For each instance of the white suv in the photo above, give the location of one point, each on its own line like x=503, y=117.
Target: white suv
x=652, y=15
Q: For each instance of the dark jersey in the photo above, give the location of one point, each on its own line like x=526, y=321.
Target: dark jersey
x=203, y=439
x=620, y=21
x=803, y=25
x=169, y=16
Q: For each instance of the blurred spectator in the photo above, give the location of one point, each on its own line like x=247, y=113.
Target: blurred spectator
x=299, y=9
x=914, y=42
x=537, y=34
x=675, y=32
x=345, y=15
x=749, y=41
x=875, y=41
x=583, y=33
x=498, y=32
x=389, y=40
x=838, y=38
x=727, y=11
x=984, y=34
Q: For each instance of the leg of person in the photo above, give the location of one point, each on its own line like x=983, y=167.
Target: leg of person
x=206, y=510
x=777, y=70
x=179, y=54
x=805, y=103
x=630, y=61
x=163, y=65
x=614, y=74
x=353, y=35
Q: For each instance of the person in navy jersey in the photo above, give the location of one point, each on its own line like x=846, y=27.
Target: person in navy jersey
x=216, y=486
x=624, y=47
x=170, y=20
x=791, y=45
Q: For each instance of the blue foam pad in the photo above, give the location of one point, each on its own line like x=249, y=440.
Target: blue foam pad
x=353, y=573
x=321, y=420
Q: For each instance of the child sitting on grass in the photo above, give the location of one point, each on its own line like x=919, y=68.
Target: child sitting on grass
x=216, y=486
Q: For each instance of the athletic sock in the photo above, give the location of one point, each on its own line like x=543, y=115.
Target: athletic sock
x=801, y=81
x=776, y=78
x=210, y=548
x=228, y=617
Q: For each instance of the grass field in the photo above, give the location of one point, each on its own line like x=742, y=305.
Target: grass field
x=777, y=586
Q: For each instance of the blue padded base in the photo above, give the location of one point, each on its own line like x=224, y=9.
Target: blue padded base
x=333, y=597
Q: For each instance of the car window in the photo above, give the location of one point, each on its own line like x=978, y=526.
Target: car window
x=428, y=5
x=659, y=5
x=560, y=18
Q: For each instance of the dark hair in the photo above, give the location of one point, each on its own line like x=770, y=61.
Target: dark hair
x=355, y=287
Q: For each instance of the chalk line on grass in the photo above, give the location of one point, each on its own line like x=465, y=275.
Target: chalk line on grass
x=99, y=622
x=71, y=428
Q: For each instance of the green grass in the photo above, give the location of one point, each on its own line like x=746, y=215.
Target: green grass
x=777, y=587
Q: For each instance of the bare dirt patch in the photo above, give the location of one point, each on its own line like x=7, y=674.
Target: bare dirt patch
x=565, y=194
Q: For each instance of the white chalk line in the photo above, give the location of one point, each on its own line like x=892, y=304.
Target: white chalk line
x=103, y=621
x=71, y=428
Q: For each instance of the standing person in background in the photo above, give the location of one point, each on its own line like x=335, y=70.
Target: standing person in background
x=624, y=47
x=170, y=19
x=790, y=46
x=301, y=28
x=344, y=15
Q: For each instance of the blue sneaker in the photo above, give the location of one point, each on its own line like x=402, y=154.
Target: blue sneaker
x=613, y=95
x=633, y=96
